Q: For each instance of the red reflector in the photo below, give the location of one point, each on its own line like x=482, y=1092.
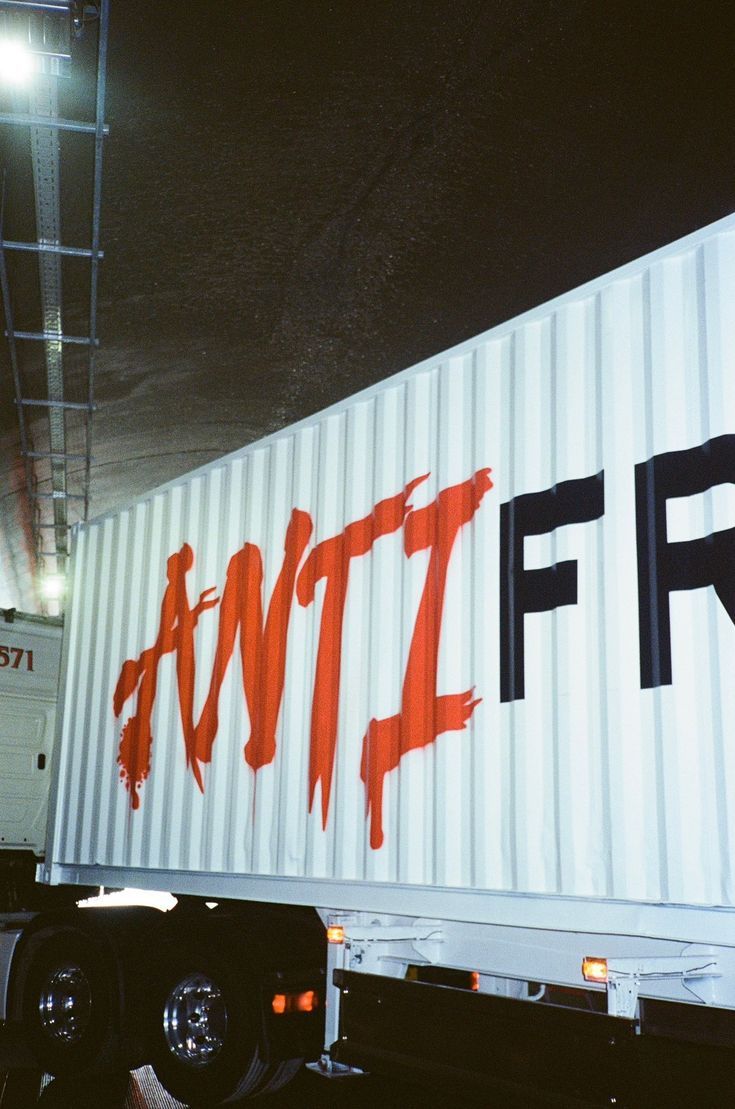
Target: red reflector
x=305, y=1002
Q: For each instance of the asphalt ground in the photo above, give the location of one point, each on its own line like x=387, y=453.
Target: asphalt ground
x=308, y=1091
x=671, y=1075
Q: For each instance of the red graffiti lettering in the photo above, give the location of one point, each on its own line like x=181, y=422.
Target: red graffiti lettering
x=136, y=741
x=331, y=560
x=262, y=648
x=424, y=715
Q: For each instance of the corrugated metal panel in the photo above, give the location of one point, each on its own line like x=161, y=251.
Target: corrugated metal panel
x=587, y=785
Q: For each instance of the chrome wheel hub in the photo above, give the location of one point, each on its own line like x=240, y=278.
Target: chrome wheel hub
x=195, y=1020
x=65, y=1004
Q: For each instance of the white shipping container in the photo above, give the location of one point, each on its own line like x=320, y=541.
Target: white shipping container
x=459, y=645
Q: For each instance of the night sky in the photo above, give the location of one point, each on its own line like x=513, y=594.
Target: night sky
x=301, y=198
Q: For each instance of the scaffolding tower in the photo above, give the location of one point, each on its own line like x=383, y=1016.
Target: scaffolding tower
x=59, y=160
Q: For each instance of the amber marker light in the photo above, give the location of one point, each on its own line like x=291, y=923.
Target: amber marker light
x=594, y=970
x=305, y=1002
x=336, y=933
x=475, y=980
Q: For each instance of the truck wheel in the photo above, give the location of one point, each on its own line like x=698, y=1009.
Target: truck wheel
x=67, y=1005
x=205, y=1048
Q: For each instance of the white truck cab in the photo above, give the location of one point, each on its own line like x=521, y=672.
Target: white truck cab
x=30, y=650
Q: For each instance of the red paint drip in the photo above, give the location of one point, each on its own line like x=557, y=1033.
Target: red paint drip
x=331, y=560
x=424, y=715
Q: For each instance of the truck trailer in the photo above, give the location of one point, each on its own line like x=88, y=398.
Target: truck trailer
x=422, y=708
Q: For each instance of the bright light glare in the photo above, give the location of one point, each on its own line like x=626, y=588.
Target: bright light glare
x=154, y=898
x=52, y=587
x=17, y=63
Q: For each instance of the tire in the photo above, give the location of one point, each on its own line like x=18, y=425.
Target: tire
x=205, y=1033
x=68, y=1004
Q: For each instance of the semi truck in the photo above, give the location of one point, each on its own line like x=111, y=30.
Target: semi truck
x=423, y=710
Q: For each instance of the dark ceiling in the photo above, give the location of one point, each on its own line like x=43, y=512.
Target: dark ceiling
x=302, y=198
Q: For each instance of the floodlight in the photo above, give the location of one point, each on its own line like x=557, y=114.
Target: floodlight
x=52, y=586
x=17, y=62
